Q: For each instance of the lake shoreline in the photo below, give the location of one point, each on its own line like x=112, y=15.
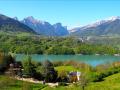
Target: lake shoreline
x=93, y=60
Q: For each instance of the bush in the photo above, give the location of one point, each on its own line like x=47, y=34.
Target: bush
x=62, y=76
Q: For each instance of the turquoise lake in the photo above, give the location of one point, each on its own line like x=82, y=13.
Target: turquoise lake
x=89, y=59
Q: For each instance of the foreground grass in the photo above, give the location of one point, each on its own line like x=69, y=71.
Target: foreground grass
x=7, y=83
x=110, y=83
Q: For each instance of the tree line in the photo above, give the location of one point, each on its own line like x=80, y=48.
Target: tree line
x=52, y=45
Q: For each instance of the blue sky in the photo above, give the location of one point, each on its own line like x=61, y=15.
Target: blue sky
x=68, y=12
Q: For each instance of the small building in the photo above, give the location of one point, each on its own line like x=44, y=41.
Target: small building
x=74, y=76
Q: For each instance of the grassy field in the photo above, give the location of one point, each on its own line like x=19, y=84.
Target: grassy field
x=7, y=83
x=110, y=83
x=66, y=68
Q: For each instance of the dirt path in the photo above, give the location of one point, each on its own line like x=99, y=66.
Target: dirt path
x=36, y=81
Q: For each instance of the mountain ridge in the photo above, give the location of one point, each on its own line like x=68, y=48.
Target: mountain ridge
x=110, y=26
x=45, y=28
x=8, y=24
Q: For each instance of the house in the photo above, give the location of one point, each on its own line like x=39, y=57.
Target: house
x=74, y=76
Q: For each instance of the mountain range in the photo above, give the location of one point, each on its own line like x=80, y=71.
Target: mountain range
x=110, y=26
x=45, y=28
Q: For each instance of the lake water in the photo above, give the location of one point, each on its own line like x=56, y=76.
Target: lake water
x=89, y=59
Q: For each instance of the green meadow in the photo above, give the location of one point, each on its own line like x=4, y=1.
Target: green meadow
x=7, y=83
x=110, y=83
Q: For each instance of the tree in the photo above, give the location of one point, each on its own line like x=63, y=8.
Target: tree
x=29, y=69
x=50, y=74
x=5, y=60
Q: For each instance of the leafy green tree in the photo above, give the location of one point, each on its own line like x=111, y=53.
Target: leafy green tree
x=29, y=69
x=50, y=74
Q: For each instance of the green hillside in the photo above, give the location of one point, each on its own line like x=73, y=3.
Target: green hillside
x=9, y=25
x=110, y=83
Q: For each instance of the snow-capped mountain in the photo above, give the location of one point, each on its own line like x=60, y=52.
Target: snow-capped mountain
x=113, y=18
x=104, y=27
x=109, y=26
x=97, y=23
x=110, y=19
x=45, y=28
